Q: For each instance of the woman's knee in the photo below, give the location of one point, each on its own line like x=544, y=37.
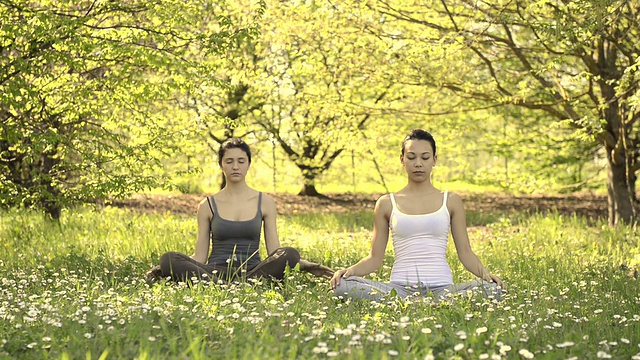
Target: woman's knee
x=167, y=262
x=290, y=255
x=353, y=287
x=342, y=289
x=493, y=290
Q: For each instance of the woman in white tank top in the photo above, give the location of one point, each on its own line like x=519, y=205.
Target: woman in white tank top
x=419, y=217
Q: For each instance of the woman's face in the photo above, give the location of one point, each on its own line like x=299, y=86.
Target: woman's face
x=235, y=164
x=418, y=159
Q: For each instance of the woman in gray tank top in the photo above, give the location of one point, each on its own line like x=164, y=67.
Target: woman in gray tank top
x=230, y=225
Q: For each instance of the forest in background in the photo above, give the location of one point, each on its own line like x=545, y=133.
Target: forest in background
x=104, y=99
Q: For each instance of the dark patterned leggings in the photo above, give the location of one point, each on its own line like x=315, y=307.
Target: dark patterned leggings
x=181, y=267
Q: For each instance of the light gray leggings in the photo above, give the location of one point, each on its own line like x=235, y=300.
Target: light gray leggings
x=358, y=288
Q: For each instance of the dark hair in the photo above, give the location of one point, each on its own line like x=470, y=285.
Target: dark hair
x=419, y=134
x=231, y=144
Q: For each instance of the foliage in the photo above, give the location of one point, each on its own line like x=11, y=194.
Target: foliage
x=85, y=89
x=522, y=153
x=80, y=293
x=102, y=98
x=306, y=85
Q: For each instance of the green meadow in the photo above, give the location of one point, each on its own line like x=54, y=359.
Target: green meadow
x=76, y=290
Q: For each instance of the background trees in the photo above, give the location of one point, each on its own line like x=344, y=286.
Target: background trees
x=320, y=81
x=84, y=91
x=108, y=98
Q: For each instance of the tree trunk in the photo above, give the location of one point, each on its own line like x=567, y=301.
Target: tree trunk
x=51, y=203
x=309, y=189
x=621, y=209
x=309, y=175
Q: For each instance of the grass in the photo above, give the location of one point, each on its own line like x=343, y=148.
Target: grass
x=76, y=290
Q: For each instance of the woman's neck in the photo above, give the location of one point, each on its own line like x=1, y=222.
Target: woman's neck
x=236, y=189
x=419, y=187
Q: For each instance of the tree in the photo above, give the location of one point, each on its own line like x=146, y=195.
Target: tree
x=575, y=61
x=85, y=87
x=321, y=82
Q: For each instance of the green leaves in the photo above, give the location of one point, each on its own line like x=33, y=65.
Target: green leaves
x=86, y=88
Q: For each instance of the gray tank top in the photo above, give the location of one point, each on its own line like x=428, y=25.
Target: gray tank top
x=235, y=242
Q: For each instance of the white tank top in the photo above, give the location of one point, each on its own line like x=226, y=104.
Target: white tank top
x=420, y=245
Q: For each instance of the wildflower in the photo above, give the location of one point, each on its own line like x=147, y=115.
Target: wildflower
x=565, y=344
x=481, y=330
x=426, y=331
x=458, y=347
x=88, y=335
x=393, y=353
x=321, y=348
x=526, y=353
x=603, y=355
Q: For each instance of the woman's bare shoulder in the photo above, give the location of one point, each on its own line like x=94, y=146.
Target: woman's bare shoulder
x=454, y=197
x=383, y=204
x=268, y=198
x=454, y=202
x=386, y=198
x=268, y=204
x=204, y=207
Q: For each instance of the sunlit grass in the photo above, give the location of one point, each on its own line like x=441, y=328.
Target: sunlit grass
x=76, y=290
